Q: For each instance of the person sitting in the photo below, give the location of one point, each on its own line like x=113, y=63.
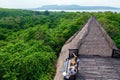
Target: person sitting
x=75, y=59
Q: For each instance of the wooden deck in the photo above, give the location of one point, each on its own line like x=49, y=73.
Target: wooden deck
x=98, y=68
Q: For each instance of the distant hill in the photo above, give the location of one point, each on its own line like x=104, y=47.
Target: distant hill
x=75, y=7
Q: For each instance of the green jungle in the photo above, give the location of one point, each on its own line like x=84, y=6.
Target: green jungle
x=30, y=41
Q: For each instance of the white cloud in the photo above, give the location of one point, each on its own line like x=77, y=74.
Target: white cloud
x=38, y=3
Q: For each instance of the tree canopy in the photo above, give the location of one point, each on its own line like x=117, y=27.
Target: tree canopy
x=30, y=41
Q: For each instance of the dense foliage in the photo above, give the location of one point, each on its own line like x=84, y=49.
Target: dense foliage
x=30, y=41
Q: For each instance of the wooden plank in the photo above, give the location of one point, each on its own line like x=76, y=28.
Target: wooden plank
x=101, y=72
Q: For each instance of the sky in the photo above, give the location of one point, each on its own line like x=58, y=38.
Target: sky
x=38, y=3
